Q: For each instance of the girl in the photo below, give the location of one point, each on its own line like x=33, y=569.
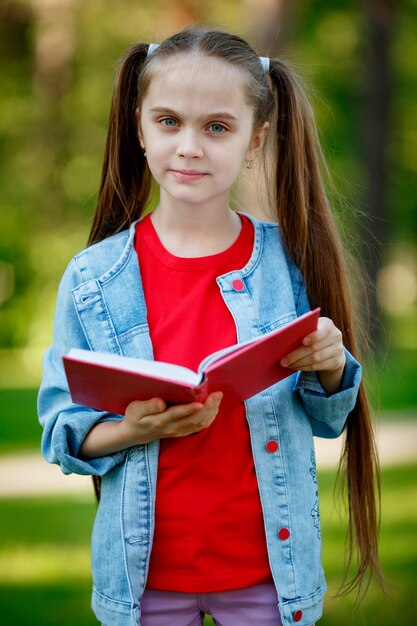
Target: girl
x=204, y=511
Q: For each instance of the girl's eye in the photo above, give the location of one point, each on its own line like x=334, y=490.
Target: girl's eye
x=217, y=128
x=169, y=121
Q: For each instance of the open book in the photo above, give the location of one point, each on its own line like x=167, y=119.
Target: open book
x=109, y=382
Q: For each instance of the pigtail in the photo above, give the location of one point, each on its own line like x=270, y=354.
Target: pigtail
x=126, y=180
x=311, y=239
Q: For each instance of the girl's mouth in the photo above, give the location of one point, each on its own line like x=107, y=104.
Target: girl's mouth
x=186, y=176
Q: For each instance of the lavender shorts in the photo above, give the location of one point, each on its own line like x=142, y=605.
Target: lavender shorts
x=239, y=607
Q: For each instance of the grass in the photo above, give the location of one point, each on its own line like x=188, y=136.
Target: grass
x=391, y=381
x=19, y=426
x=398, y=551
x=45, y=571
x=44, y=562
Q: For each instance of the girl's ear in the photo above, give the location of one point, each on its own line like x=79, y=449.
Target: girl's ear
x=140, y=136
x=257, y=141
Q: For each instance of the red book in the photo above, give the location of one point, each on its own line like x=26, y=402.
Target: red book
x=109, y=382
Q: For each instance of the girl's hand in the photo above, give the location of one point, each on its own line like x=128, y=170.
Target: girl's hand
x=322, y=352
x=148, y=420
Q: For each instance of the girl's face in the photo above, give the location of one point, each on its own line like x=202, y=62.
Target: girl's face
x=197, y=129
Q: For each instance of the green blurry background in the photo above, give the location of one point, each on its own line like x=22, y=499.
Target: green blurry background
x=57, y=64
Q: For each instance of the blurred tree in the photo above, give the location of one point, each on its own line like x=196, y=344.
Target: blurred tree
x=54, y=46
x=271, y=24
x=16, y=19
x=182, y=13
x=377, y=84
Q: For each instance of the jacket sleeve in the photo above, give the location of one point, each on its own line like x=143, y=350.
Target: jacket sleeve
x=328, y=413
x=65, y=425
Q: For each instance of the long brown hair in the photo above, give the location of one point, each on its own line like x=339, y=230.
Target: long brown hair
x=312, y=240
x=302, y=210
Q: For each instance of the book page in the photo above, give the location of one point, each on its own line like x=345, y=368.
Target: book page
x=220, y=354
x=156, y=369
x=216, y=356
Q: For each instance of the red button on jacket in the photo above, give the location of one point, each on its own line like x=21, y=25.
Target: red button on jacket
x=238, y=285
x=283, y=533
x=297, y=616
x=272, y=446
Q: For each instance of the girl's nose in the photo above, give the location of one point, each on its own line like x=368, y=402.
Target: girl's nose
x=189, y=145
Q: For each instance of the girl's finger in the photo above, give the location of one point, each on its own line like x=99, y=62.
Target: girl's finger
x=326, y=342
x=198, y=420
x=326, y=366
x=325, y=336
x=325, y=328
x=296, y=355
x=180, y=411
x=327, y=359
x=213, y=400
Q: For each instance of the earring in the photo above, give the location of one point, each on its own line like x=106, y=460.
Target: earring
x=249, y=165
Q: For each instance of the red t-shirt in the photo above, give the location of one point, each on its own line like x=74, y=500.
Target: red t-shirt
x=209, y=532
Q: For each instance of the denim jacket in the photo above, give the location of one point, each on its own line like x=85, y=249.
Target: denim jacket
x=101, y=307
